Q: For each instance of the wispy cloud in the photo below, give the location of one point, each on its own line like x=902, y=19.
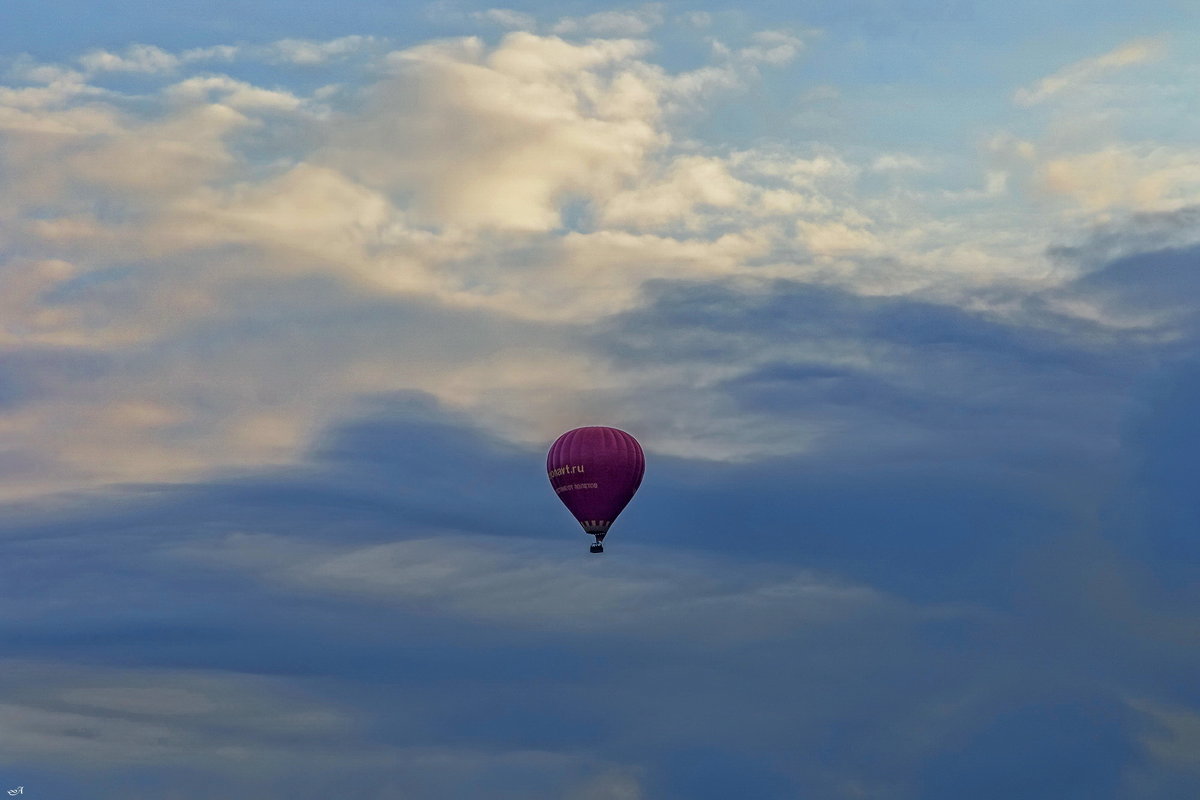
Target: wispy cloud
x=277, y=735
x=135, y=58
x=58, y=714
x=772, y=47
x=507, y=18
x=307, y=51
x=516, y=582
x=1138, y=51
x=632, y=22
x=149, y=59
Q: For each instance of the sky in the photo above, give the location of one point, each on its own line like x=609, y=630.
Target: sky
x=902, y=300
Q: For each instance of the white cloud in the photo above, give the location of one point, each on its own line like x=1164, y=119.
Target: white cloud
x=234, y=93
x=170, y=156
x=1137, y=178
x=25, y=69
x=1093, y=159
x=220, y=52
x=27, y=107
x=634, y=22
x=502, y=139
x=1075, y=75
x=505, y=196
x=772, y=47
x=826, y=168
x=894, y=162
x=836, y=238
x=507, y=18
x=136, y=58
x=310, y=52
x=732, y=68
x=296, y=52
x=691, y=182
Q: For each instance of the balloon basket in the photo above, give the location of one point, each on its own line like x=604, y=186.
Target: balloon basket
x=597, y=548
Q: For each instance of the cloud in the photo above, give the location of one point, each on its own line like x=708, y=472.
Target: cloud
x=234, y=93
x=507, y=18
x=26, y=69
x=696, y=19
x=772, y=47
x=518, y=583
x=105, y=727
x=294, y=52
x=1137, y=178
x=438, y=661
x=851, y=358
x=890, y=162
x=912, y=468
x=636, y=22
x=1175, y=735
x=218, y=52
x=732, y=68
x=500, y=140
x=1149, y=292
x=1134, y=52
x=73, y=716
x=470, y=226
x=309, y=52
x=140, y=700
x=692, y=181
x=833, y=238
x=612, y=785
x=136, y=58
x=151, y=60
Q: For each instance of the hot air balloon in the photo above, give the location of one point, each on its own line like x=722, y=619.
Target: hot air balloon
x=595, y=472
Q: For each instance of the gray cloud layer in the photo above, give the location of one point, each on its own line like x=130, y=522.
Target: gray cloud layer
x=919, y=522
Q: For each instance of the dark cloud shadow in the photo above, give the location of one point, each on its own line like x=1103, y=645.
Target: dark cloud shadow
x=1030, y=542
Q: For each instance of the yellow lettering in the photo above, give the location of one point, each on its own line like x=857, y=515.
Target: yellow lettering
x=567, y=470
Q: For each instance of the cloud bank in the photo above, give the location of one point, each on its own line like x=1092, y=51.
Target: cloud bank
x=168, y=253
x=285, y=328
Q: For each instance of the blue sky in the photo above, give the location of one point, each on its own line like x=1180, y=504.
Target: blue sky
x=899, y=298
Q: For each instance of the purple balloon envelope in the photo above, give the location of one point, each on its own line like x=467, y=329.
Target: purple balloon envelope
x=595, y=472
